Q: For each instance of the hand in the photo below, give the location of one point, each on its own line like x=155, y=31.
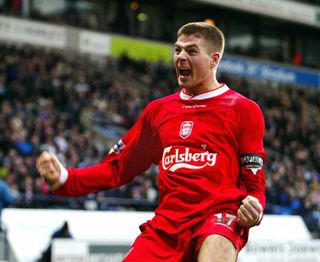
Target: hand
x=48, y=166
x=249, y=212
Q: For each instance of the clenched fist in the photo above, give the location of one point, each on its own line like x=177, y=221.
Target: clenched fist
x=49, y=168
x=249, y=212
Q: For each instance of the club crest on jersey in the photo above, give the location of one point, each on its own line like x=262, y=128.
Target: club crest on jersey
x=185, y=129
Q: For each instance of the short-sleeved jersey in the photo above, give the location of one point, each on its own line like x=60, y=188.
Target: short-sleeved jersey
x=209, y=150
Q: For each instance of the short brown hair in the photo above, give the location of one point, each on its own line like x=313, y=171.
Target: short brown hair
x=209, y=32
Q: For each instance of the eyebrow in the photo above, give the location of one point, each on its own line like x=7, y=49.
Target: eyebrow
x=186, y=46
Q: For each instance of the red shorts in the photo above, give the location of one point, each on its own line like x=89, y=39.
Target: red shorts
x=154, y=245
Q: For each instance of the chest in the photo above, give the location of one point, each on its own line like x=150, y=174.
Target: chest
x=206, y=128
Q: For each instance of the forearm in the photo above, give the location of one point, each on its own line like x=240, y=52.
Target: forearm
x=254, y=185
x=82, y=181
x=258, y=193
x=252, y=175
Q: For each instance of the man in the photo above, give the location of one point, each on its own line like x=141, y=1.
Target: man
x=208, y=143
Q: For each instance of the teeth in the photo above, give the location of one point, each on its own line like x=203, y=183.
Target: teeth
x=185, y=71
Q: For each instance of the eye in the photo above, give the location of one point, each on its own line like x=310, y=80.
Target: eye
x=192, y=51
x=177, y=50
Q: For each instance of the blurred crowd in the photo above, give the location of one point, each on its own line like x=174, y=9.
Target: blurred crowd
x=49, y=100
x=247, y=34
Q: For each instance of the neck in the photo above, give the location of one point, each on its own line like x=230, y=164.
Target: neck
x=198, y=90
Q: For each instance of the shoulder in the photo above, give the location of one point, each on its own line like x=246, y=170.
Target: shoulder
x=245, y=108
x=167, y=99
x=156, y=109
x=163, y=102
x=242, y=102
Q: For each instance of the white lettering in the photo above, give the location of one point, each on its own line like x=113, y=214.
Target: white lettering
x=183, y=158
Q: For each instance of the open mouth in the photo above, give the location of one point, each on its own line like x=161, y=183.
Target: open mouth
x=185, y=71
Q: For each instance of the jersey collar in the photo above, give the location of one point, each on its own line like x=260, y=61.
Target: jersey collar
x=216, y=92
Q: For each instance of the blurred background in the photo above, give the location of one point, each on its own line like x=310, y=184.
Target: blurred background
x=75, y=75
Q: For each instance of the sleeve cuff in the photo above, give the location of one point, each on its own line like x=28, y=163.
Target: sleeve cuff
x=63, y=175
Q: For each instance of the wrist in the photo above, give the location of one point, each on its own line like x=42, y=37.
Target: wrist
x=63, y=175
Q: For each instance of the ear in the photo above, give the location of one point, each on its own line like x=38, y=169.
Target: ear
x=215, y=59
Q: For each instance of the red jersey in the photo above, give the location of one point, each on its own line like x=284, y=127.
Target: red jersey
x=209, y=150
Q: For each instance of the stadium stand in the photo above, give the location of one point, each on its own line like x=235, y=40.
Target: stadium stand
x=279, y=38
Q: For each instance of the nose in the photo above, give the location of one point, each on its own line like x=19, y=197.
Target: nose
x=181, y=56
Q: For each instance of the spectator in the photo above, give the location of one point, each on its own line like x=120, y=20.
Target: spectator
x=62, y=232
x=6, y=197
